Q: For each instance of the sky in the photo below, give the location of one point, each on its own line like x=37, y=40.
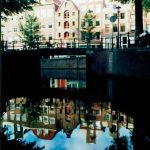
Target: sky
x=76, y=1
x=77, y=140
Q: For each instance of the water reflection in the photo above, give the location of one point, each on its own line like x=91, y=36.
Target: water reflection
x=50, y=122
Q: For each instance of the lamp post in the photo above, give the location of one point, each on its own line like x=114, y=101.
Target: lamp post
x=118, y=12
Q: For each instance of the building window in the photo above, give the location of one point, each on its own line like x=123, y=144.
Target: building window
x=132, y=28
x=132, y=16
x=59, y=24
x=43, y=38
x=97, y=23
x=50, y=37
x=15, y=29
x=73, y=34
x=122, y=28
x=66, y=24
x=97, y=35
x=106, y=16
x=122, y=16
x=45, y=110
x=115, y=29
x=43, y=26
x=115, y=15
x=66, y=14
x=66, y=35
x=59, y=34
x=106, y=117
x=73, y=23
x=124, y=40
x=107, y=28
x=148, y=26
x=59, y=14
x=45, y=119
x=52, y=120
x=73, y=13
x=49, y=26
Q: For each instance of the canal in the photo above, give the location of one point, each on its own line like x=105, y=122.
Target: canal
x=76, y=110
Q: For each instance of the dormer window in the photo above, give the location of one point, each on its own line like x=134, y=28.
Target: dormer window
x=66, y=14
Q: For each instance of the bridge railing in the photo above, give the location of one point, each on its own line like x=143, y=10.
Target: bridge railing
x=125, y=41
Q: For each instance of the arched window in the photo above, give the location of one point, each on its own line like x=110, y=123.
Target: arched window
x=66, y=35
x=73, y=23
x=66, y=25
x=73, y=34
x=66, y=14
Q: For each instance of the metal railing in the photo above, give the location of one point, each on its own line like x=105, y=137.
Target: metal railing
x=126, y=41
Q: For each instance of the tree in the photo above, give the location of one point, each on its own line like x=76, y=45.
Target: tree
x=87, y=25
x=121, y=143
x=139, y=6
x=30, y=30
x=9, y=7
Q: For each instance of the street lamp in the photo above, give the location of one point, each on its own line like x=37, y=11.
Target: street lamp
x=118, y=7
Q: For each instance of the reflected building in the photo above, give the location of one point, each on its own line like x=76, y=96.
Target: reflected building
x=52, y=115
x=45, y=120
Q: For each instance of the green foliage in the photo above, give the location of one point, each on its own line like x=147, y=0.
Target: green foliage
x=145, y=3
x=30, y=30
x=88, y=22
x=120, y=144
x=16, y=144
x=87, y=25
x=9, y=7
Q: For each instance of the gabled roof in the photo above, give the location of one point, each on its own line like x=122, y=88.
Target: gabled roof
x=49, y=136
x=63, y=1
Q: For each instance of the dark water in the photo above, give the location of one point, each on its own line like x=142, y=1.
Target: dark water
x=78, y=112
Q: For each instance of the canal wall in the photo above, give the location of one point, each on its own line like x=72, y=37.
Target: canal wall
x=132, y=63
